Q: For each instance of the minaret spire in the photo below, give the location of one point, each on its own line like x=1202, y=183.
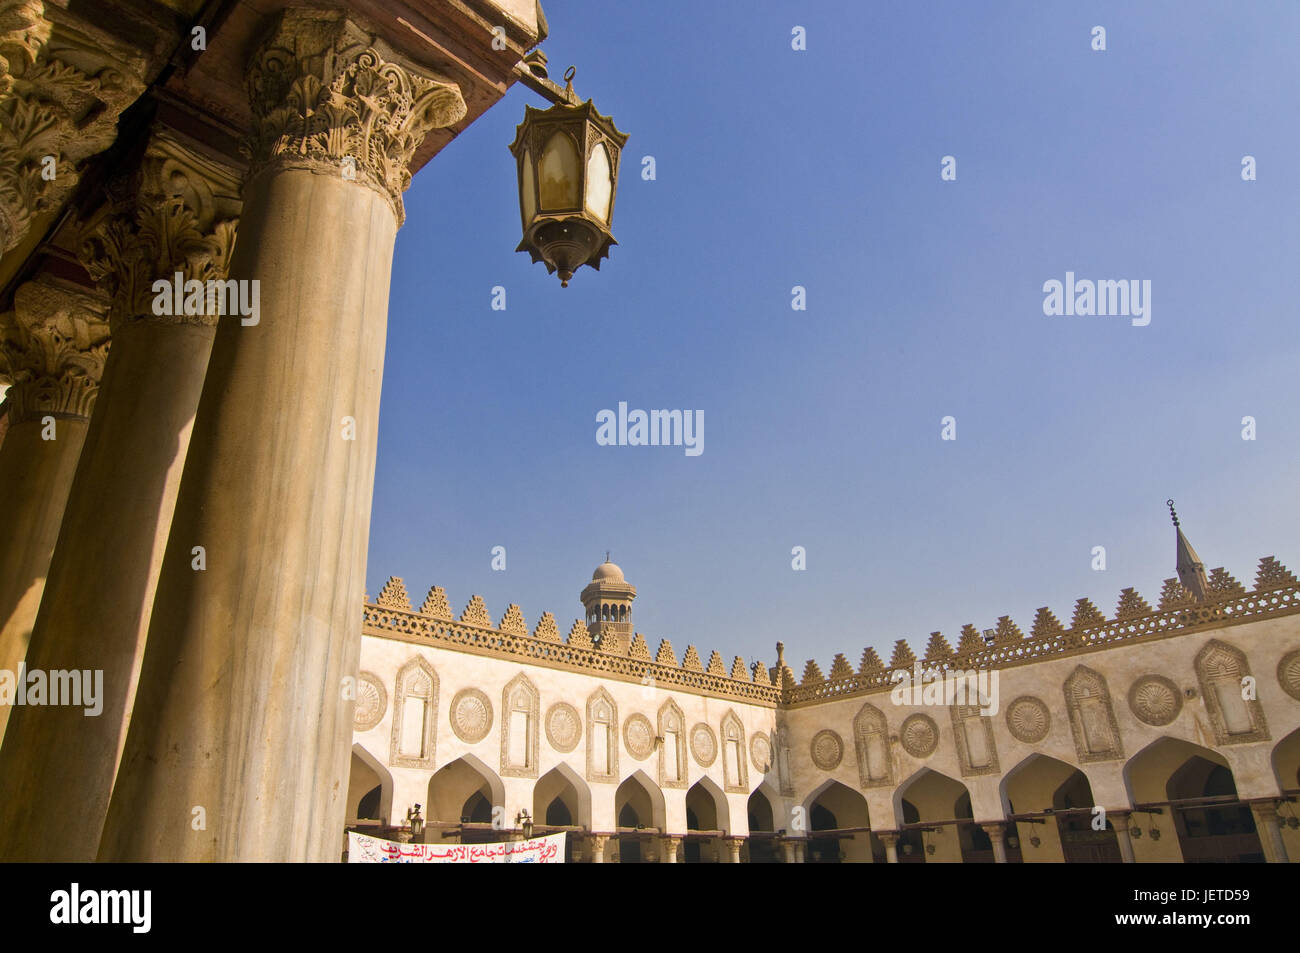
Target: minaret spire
x=1191, y=571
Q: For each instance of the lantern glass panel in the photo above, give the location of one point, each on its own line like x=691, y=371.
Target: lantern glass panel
x=528, y=194
x=600, y=185
x=558, y=174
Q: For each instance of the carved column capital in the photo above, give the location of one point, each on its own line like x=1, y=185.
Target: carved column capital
x=61, y=92
x=330, y=97
x=52, y=350
x=176, y=214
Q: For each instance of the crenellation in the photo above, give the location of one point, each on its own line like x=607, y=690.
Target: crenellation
x=513, y=621
x=1273, y=575
x=665, y=655
x=938, y=648
x=871, y=662
x=639, y=649
x=1086, y=614
x=739, y=671
x=716, y=666
x=579, y=637
x=476, y=613
x=1175, y=596
x=393, y=595
x=1046, y=625
x=903, y=656
x=1222, y=583
x=1131, y=605
x=840, y=667
x=436, y=605
x=691, y=662
x=546, y=629
x=812, y=674
x=1006, y=631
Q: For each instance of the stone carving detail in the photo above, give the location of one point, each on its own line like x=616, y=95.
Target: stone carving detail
x=178, y=212
x=827, y=750
x=372, y=702
x=672, y=751
x=323, y=90
x=871, y=744
x=471, y=715
x=1155, y=700
x=602, y=737
x=784, y=776
x=735, y=765
x=760, y=752
x=1028, y=720
x=1288, y=673
x=1092, y=717
x=704, y=744
x=521, y=705
x=61, y=94
x=919, y=735
x=638, y=736
x=52, y=350
x=563, y=727
x=1228, y=690
x=415, y=703
x=972, y=731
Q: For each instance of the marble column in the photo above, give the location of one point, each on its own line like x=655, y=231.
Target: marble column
x=176, y=215
x=596, y=848
x=1270, y=833
x=734, y=844
x=787, y=851
x=998, y=836
x=1120, y=821
x=242, y=707
x=668, y=849
x=890, y=840
x=52, y=351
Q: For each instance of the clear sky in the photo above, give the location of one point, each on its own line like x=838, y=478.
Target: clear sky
x=821, y=168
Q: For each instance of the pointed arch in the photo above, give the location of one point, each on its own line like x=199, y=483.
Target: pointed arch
x=671, y=723
x=415, y=705
x=1092, y=717
x=521, y=705
x=1231, y=703
x=721, y=813
x=735, y=767
x=565, y=784
x=871, y=742
x=455, y=785
x=368, y=771
x=627, y=793
x=1286, y=762
x=602, y=737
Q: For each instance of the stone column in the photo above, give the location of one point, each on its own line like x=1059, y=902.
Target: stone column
x=890, y=840
x=787, y=851
x=801, y=850
x=733, y=848
x=52, y=350
x=241, y=707
x=668, y=849
x=1266, y=823
x=177, y=217
x=1120, y=820
x=596, y=848
x=998, y=835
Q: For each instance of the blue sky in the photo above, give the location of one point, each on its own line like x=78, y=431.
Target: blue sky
x=821, y=168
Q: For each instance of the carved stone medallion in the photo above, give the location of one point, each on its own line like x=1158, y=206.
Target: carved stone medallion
x=563, y=727
x=760, y=752
x=1288, y=673
x=372, y=702
x=1028, y=720
x=471, y=715
x=704, y=744
x=638, y=736
x=1155, y=700
x=827, y=749
x=919, y=735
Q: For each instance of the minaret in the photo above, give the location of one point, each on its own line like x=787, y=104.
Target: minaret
x=608, y=601
x=1191, y=571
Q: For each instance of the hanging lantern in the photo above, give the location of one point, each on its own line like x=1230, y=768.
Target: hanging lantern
x=567, y=159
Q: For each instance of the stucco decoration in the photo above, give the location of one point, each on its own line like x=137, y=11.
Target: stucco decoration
x=1288, y=674
x=760, y=752
x=672, y=753
x=563, y=727
x=871, y=742
x=638, y=736
x=972, y=732
x=415, y=703
x=919, y=735
x=1230, y=695
x=1092, y=717
x=827, y=749
x=372, y=702
x=735, y=764
x=1028, y=719
x=471, y=715
x=1155, y=700
x=521, y=705
x=704, y=744
x=602, y=737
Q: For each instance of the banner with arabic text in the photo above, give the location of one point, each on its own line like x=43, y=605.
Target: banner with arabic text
x=364, y=849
